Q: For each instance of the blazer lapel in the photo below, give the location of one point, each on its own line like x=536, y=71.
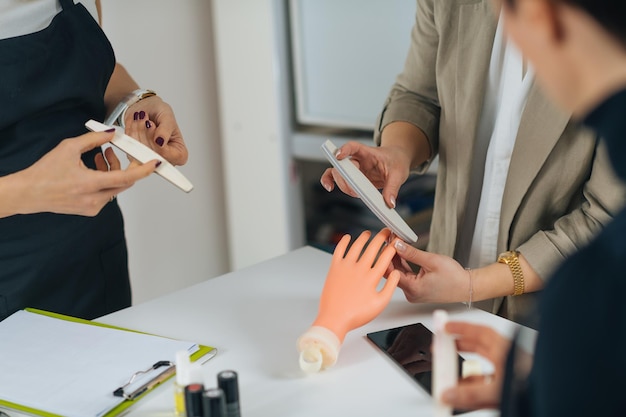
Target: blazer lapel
x=541, y=127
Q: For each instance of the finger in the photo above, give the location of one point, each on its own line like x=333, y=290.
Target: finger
x=342, y=184
x=125, y=178
x=101, y=164
x=390, y=285
x=340, y=249
x=357, y=246
x=327, y=180
x=472, y=395
x=91, y=140
x=374, y=246
x=111, y=157
x=413, y=255
x=392, y=187
x=351, y=148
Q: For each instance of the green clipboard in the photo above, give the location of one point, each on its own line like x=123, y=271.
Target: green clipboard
x=204, y=353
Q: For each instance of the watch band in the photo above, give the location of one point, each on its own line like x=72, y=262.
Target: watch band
x=511, y=258
x=118, y=114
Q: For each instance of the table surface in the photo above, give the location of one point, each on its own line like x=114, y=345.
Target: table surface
x=254, y=316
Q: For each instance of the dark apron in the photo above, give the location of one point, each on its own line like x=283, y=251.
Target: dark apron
x=51, y=82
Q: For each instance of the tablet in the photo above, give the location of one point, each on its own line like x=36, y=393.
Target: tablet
x=143, y=154
x=372, y=198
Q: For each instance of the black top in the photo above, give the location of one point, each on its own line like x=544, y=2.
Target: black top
x=51, y=82
x=580, y=357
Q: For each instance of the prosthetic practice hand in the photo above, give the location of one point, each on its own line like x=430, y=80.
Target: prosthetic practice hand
x=350, y=297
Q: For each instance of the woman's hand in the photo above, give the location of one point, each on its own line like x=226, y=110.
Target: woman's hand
x=476, y=392
x=59, y=182
x=350, y=297
x=165, y=138
x=440, y=279
x=386, y=167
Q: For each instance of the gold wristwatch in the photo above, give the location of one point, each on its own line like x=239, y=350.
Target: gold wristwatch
x=511, y=258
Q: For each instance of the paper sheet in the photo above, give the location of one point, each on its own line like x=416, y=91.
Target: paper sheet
x=70, y=368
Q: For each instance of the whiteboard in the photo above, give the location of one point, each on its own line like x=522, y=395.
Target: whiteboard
x=346, y=55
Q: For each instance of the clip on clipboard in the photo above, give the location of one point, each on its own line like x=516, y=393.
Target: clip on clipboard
x=139, y=377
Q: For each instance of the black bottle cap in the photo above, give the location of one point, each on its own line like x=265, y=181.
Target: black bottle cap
x=227, y=381
x=214, y=403
x=193, y=400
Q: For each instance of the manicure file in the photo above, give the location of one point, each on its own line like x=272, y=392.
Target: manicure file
x=369, y=194
x=143, y=154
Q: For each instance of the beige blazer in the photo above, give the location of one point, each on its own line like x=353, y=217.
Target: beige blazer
x=560, y=189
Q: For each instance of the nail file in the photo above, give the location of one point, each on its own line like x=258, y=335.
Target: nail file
x=143, y=154
x=372, y=198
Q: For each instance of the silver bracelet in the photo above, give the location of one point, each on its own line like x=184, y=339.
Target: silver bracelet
x=118, y=114
x=471, y=288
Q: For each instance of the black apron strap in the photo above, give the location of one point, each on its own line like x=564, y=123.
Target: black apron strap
x=66, y=4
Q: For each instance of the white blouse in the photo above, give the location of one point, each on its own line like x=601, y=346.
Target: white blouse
x=21, y=17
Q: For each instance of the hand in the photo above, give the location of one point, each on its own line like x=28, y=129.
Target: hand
x=60, y=183
x=478, y=391
x=350, y=297
x=440, y=279
x=386, y=168
x=166, y=138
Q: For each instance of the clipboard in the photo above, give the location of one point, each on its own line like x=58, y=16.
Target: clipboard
x=203, y=354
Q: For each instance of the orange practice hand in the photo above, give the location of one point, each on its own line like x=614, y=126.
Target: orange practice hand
x=350, y=297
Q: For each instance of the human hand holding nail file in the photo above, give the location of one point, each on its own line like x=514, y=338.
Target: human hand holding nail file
x=372, y=198
x=143, y=154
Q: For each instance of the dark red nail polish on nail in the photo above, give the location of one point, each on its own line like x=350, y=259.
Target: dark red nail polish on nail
x=136, y=116
x=142, y=115
x=160, y=141
x=110, y=130
x=158, y=164
x=148, y=124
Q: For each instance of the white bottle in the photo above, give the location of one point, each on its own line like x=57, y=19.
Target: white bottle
x=182, y=380
x=445, y=363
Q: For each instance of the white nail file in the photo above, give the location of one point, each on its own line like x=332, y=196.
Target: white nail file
x=369, y=194
x=143, y=154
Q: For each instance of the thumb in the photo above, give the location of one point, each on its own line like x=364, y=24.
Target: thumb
x=411, y=254
x=391, y=189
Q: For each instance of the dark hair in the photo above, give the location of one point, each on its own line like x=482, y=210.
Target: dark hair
x=611, y=14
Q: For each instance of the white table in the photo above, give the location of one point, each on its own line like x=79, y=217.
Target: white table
x=254, y=316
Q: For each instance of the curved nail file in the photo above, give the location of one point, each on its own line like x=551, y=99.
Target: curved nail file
x=369, y=194
x=143, y=154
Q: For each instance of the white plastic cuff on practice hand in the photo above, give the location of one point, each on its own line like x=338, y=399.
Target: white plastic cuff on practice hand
x=319, y=348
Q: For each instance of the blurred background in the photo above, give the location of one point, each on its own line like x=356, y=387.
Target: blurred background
x=257, y=87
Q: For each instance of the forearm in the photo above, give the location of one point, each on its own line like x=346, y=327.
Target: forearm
x=496, y=280
x=12, y=195
x=410, y=139
x=120, y=85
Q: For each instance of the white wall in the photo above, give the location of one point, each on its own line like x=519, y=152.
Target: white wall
x=175, y=239
x=262, y=186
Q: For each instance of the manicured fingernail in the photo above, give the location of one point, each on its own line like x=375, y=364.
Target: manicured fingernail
x=160, y=141
x=110, y=130
x=142, y=115
x=158, y=164
x=136, y=116
x=337, y=153
x=400, y=246
x=326, y=187
x=148, y=124
x=392, y=200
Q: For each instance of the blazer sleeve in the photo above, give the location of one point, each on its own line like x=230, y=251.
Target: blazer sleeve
x=413, y=97
x=604, y=195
